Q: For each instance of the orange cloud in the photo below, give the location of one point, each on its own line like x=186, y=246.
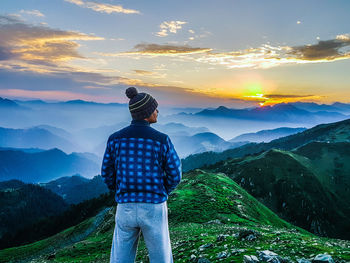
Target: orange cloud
x=265, y=56
x=150, y=74
x=271, y=99
x=161, y=50
x=38, y=44
x=268, y=56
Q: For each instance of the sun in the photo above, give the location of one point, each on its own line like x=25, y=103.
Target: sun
x=254, y=91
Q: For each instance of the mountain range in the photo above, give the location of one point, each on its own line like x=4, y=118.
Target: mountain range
x=304, y=177
x=34, y=138
x=76, y=189
x=266, y=135
x=201, y=142
x=43, y=166
x=278, y=113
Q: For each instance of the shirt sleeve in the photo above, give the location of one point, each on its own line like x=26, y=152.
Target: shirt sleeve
x=108, y=169
x=172, y=167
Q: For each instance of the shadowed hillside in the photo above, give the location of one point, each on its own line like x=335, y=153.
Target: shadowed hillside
x=309, y=187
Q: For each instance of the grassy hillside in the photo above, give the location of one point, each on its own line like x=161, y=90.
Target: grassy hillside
x=331, y=132
x=229, y=227
x=205, y=196
x=308, y=187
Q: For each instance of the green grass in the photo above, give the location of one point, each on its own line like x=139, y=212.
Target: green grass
x=190, y=208
x=188, y=237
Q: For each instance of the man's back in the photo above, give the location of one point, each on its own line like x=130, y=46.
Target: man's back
x=141, y=164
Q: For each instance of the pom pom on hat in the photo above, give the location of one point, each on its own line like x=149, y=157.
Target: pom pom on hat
x=131, y=92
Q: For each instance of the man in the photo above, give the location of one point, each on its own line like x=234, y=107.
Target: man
x=141, y=165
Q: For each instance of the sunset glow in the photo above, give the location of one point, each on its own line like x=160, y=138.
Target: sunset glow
x=205, y=54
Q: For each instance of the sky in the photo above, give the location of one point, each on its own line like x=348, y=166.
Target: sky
x=184, y=53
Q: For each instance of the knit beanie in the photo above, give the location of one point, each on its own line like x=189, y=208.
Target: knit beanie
x=141, y=105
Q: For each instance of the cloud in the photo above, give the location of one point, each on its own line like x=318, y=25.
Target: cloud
x=267, y=56
x=151, y=74
x=169, y=26
x=344, y=37
x=143, y=72
x=32, y=12
x=103, y=8
x=324, y=50
x=38, y=44
x=283, y=96
x=271, y=99
x=160, y=50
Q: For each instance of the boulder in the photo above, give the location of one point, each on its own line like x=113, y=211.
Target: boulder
x=222, y=254
x=323, y=258
x=250, y=259
x=202, y=247
x=248, y=233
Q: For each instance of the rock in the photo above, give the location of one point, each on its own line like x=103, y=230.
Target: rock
x=221, y=237
x=202, y=247
x=323, y=258
x=251, y=237
x=216, y=221
x=250, y=259
x=203, y=260
x=303, y=260
x=193, y=258
x=244, y=234
x=222, y=254
x=268, y=256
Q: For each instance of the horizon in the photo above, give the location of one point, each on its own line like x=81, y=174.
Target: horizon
x=126, y=103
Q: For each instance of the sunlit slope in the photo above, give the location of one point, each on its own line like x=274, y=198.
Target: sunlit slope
x=205, y=196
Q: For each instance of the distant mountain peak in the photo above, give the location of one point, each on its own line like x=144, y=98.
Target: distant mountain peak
x=222, y=108
x=7, y=103
x=79, y=102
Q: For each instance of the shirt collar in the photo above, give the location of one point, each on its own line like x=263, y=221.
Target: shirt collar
x=140, y=122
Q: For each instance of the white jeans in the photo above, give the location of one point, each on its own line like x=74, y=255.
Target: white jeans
x=152, y=220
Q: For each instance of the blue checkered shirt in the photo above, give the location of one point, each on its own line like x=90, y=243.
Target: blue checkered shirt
x=140, y=164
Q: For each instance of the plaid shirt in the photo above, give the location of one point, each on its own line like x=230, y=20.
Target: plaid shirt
x=140, y=164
